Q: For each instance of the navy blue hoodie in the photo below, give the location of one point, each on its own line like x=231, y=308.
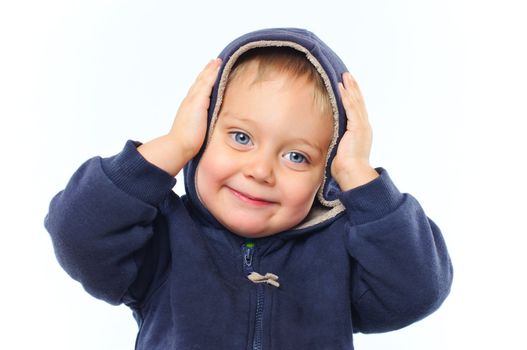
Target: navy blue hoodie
x=365, y=260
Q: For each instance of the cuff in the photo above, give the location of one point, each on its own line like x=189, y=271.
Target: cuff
x=373, y=200
x=132, y=173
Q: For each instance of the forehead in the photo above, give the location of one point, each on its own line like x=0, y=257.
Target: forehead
x=254, y=72
x=281, y=104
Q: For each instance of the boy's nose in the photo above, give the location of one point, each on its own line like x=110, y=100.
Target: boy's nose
x=260, y=169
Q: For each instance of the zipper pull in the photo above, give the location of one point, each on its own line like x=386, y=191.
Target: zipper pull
x=248, y=250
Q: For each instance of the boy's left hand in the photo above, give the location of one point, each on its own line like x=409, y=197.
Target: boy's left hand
x=351, y=165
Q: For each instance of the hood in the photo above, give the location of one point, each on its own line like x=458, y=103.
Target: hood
x=330, y=67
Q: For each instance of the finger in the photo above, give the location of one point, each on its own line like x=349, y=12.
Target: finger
x=354, y=106
x=352, y=86
x=206, y=78
x=347, y=101
x=212, y=66
x=209, y=73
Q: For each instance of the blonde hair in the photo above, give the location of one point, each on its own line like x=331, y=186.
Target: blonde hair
x=284, y=60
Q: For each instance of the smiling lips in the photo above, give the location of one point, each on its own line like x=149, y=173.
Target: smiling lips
x=249, y=199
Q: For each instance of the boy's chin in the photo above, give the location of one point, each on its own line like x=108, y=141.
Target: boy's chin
x=251, y=230
x=255, y=235
x=252, y=225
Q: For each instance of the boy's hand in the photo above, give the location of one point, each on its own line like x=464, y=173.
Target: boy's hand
x=190, y=124
x=172, y=151
x=351, y=165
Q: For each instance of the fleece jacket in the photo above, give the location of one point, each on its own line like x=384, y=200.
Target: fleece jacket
x=365, y=260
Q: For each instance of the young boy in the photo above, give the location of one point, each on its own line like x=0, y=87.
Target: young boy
x=286, y=238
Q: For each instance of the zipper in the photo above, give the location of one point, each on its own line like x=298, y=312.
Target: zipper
x=248, y=253
x=258, y=329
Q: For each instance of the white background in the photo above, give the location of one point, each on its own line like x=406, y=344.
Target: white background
x=444, y=83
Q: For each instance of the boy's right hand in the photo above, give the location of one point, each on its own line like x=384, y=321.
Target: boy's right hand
x=172, y=151
x=190, y=124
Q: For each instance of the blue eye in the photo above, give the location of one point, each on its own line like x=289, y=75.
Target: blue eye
x=241, y=138
x=295, y=157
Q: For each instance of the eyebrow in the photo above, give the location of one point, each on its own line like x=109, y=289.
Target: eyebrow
x=228, y=115
x=309, y=144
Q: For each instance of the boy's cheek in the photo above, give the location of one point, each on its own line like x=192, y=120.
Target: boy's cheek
x=220, y=165
x=299, y=193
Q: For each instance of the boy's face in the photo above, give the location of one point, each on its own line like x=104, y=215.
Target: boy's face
x=265, y=160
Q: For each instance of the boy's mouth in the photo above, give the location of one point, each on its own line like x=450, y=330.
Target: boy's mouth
x=249, y=199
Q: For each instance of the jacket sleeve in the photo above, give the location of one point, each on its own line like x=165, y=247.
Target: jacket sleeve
x=102, y=222
x=402, y=268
